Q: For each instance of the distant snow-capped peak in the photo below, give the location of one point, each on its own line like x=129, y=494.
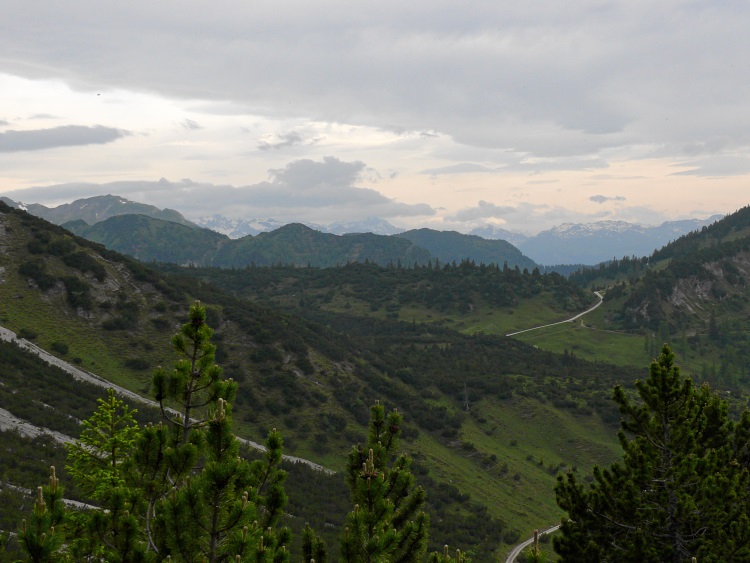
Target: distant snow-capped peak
x=237, y=228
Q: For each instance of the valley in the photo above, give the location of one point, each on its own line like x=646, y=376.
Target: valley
x=312, y=347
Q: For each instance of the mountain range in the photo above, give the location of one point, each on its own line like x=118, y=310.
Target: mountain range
x=569, y=243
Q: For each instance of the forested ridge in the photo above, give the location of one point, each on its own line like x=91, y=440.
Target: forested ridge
x=452, y=287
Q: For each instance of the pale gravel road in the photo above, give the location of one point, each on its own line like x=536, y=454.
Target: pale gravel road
x=570, y=320
x=87, y=376
x=521, y=546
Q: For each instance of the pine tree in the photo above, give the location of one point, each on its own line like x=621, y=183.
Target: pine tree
x=98, y=462
x=680, y=490
x=387, y=523
x=214, y=517
x=195, y=382
x=41, y=536
x=175, y=491
x=313, y=547
x=228, y=509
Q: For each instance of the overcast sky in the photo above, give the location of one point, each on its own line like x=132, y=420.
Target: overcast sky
x=442, y=114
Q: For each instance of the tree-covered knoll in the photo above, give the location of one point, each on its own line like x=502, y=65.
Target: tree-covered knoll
x=451, y=246
x=151, y=239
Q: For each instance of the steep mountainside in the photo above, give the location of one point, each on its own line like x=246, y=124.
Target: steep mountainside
x=703, y=274
x=693, y=293
x=149, y=239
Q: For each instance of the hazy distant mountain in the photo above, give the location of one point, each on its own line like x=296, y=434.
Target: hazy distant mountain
x=592, y=243
x=492, y=232
x=569, y=243
x=373, y=225
x=238, y=228
x=99, y=208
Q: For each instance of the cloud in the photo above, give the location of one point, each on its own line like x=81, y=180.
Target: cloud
x=483, y=210
x=716, y=165
x=65, y=136
x=3, y=123
x=604, y=198
x=515, y=163
x=317, y=191
x=463, y=168
x=540, y=79
x=280, y=141
x=530, y=218
x=191, y=125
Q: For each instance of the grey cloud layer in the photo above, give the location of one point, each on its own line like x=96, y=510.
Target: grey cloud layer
x=545, y=78
x=65, y=136
x=603, y=198
x=281, y=141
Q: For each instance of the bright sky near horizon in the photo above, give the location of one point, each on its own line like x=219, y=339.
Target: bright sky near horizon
x=443, y=114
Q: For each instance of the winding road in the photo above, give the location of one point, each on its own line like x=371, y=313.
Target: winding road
x=570, y=320
x=521, y=546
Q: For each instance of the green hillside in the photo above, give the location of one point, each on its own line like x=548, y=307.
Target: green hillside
x=148, y=239
x=450, y=246
x=478, y=407
x=153, y=239
x=301, y=245
x=466, y=297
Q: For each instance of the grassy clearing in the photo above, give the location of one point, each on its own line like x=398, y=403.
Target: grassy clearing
x=589, y=343
x=483, y=318
x=531, y=442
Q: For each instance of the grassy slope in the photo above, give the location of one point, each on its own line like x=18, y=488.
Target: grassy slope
x=518, y=433
x=593, y=338
x=536, y=310
x=23, y=306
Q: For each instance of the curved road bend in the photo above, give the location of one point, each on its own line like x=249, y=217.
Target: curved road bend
x=521, y=546
x=570, y=320
x=81, y=375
